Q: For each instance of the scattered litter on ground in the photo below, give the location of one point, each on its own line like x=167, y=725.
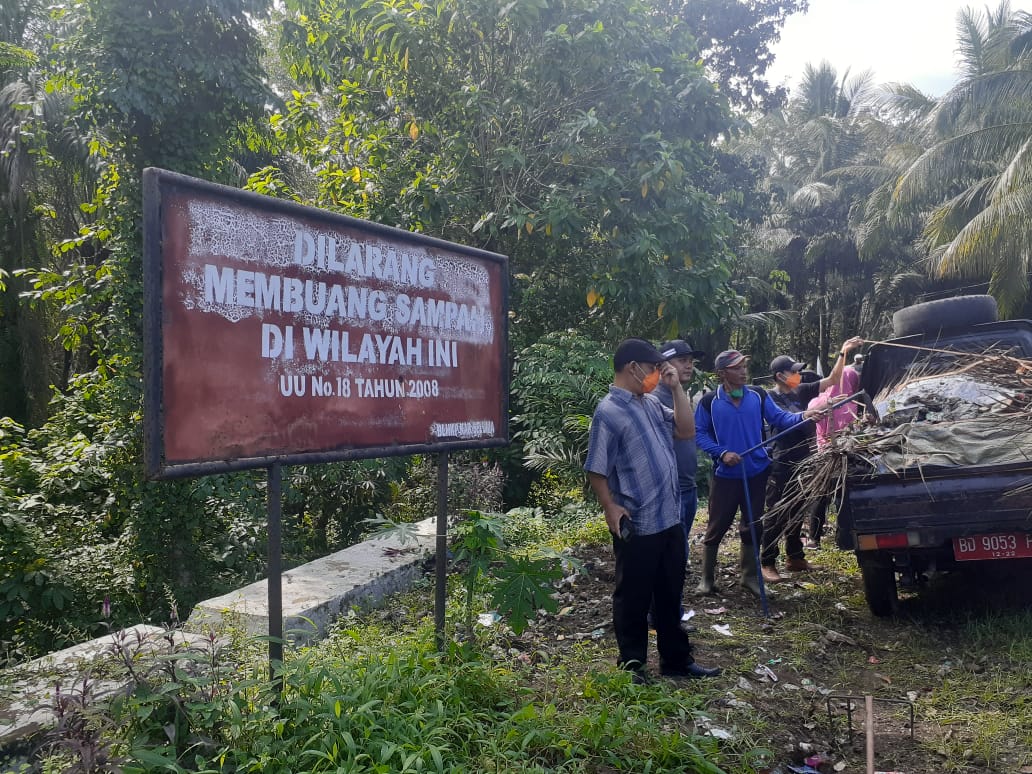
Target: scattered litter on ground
x=715, y=610
x=687, y=615
x=833, y=636
x=490, y=618
x=724, y=629
x=719, y=733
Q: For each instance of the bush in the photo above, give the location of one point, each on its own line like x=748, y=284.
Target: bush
x=557, y=382
x=474, y=483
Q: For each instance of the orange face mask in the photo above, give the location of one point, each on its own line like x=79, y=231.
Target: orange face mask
x=793, y=380
x=650, y=382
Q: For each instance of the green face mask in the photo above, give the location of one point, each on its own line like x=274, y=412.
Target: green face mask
x=737, y=392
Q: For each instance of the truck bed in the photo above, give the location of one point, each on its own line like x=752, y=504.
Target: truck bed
x=938, y=504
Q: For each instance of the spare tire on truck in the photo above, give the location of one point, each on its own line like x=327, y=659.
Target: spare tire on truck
x=934, y=316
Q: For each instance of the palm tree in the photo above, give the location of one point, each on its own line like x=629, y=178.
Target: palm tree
x=973, y=185
x=824, y=156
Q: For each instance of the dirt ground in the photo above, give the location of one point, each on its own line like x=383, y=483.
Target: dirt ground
x=957, y=656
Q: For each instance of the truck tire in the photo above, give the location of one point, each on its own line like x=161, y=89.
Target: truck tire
x=933, y=316
x=879, y=582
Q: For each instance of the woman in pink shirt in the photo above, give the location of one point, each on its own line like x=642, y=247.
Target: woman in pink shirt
x=843, y=415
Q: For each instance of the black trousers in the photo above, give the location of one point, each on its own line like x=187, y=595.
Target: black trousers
x=650, y=572
x=786, y=522
x=727, y=497
x=817, y=518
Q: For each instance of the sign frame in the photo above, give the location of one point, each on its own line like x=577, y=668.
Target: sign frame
x=155, y=183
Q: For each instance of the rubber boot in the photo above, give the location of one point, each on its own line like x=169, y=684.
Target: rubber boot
x=749, y=569
x=707, y=575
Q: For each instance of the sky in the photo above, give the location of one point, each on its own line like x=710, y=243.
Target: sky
x=910, y=41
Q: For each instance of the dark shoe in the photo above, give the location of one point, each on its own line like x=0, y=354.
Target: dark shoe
x=797, y=565
x=770, y=574
x=692, y=671
x=640, y=677
x=687, y=628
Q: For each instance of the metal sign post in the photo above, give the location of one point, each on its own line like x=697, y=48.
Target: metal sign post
x=275, y=503
x=441, y=574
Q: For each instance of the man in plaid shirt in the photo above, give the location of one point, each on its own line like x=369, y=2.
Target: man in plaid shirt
x=632, y=470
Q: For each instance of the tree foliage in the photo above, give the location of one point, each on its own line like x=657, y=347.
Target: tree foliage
x=735, y=39
x=972, y=185
x=822, y=252
x=570, y=135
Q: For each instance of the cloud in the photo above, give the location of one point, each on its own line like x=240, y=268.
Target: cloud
x=911, y=41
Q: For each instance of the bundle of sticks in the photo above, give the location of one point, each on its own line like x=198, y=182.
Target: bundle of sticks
x=940, y=392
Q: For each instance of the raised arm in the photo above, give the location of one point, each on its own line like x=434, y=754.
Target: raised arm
x=684, y=417
x=835, y=377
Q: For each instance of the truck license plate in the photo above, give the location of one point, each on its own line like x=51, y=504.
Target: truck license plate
x=1006, y=545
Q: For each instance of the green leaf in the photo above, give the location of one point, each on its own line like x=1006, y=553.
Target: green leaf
x=524, y=586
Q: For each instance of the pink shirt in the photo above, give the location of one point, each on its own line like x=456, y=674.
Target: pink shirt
x=843, y=415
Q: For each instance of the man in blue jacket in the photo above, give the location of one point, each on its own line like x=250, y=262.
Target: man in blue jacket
x=727, y=423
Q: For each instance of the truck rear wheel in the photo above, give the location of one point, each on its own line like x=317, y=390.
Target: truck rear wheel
x=933, y=316
x=879, y=582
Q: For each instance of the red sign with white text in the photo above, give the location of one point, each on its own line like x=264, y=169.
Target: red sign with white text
x=290, y=333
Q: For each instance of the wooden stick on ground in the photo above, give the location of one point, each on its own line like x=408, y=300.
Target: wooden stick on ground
x=869, y=725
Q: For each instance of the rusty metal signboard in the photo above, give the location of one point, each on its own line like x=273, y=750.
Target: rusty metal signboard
x=281, y=333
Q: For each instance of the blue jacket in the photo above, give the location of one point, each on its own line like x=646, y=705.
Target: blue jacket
x=721, y=426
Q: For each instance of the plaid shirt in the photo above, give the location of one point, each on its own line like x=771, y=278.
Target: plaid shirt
x=632, y=445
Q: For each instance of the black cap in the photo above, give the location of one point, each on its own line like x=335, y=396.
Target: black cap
x=785, y=363
x=679, y=348
x=637, y=351
x=810, y=376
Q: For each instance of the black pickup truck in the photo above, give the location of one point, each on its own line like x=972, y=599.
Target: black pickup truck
x=919, y=518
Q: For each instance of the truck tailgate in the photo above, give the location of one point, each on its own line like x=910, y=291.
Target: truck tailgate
x=968, y=501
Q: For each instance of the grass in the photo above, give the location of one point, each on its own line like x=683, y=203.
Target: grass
x=376, y=697
x=961, y=650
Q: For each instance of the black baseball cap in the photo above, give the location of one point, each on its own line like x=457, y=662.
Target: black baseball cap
x=785, y=363
x=679, y=348
x=636, y=351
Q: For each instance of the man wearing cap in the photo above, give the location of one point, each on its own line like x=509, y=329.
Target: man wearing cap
x=785, y=506
x=729, y=423
x=632, y=470
x=680, y=354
